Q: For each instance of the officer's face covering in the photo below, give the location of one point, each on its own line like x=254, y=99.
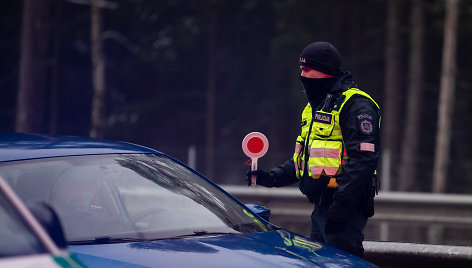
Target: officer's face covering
x=316, y=89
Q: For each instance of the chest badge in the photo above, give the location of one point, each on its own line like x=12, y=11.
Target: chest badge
x=322, y=118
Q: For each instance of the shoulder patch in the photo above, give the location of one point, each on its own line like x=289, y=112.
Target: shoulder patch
x=364, y=116
x=364, y=121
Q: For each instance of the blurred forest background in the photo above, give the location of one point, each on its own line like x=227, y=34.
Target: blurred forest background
x=186, y=76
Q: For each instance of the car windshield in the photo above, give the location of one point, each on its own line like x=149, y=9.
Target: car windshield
x=106, y=198
x=16, y=238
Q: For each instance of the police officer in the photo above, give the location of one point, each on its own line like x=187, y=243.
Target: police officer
x=336, y=154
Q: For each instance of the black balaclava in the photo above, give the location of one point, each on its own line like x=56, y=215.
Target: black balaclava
x=316, y=89
x=325, y=58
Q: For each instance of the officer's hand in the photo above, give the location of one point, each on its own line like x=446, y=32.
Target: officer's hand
x=264, y=177
x=336, y=218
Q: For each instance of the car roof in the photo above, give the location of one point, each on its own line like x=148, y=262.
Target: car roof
x=20, y=146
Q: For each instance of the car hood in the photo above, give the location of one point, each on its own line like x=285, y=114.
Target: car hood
x=269, y=249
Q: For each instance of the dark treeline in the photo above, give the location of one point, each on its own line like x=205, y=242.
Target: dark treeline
x=169, y=64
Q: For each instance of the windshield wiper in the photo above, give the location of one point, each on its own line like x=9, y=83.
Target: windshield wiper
x=111, y=240
x=199, y=233
x=105, y=240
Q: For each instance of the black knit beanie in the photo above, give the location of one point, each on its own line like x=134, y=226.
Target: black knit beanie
x=321, y=56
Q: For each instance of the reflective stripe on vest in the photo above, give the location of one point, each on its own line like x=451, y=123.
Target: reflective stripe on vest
x=324, y=152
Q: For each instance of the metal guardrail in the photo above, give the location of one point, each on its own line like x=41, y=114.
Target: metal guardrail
x=394, y=254
x=290, y=209
x=450, y=209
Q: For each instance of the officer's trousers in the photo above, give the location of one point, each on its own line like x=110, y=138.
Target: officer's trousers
x=350, y=238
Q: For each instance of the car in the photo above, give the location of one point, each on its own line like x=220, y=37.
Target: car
x=123, y=204
x=23, y=240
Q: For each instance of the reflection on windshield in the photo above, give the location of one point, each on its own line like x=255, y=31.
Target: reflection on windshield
x=15, y=237
x=300, y=242
x=103, y=198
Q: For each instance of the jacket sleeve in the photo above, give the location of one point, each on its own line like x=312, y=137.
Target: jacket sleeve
x=285, y=174
x=359, y=121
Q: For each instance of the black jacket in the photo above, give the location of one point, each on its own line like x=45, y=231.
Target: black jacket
x=361, y=164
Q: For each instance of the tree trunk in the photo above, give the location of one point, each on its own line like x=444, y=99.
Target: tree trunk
x=32, y=85
x=409, y=158
x=55, y=69
x=98, y=73
x=391, y=96
x=443, y=134
x=210, y=98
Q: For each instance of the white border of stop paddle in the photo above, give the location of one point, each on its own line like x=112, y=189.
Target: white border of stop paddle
x=255, y=135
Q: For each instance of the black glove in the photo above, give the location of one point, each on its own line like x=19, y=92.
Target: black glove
x=264, y=177
x=336, y=217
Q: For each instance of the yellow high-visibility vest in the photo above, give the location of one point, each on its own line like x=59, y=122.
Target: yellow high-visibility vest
x=324, y=146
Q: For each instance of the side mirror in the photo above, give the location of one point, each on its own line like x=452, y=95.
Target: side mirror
x=49, y=220
x=260, y=210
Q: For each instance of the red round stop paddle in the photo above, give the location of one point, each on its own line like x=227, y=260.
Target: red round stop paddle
x=255, y=145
